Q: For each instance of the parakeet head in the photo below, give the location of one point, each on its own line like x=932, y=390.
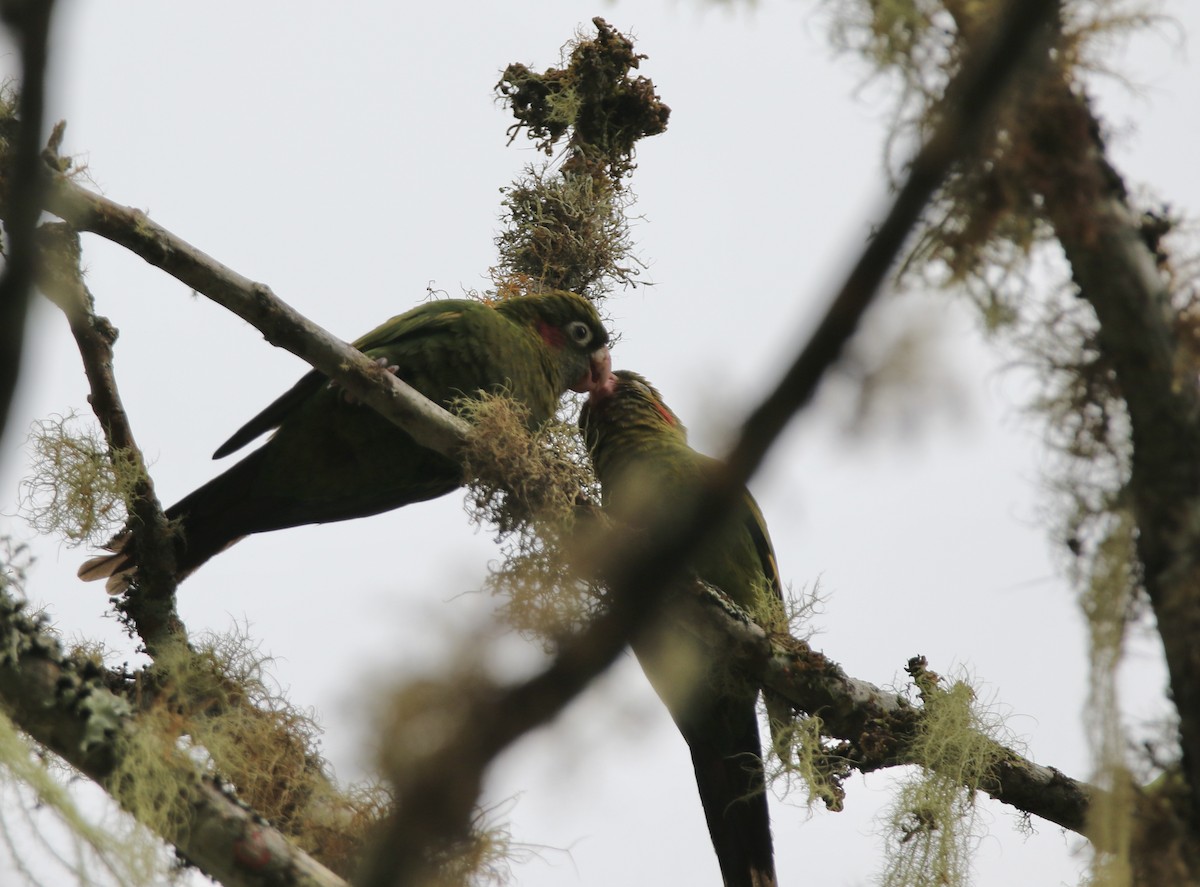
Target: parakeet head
x=627, y=404
x=572, y=332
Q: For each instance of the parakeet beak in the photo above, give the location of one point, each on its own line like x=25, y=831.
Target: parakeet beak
x=599, y=375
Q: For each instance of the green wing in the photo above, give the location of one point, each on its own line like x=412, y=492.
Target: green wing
x=425, y=320
x=756, y=525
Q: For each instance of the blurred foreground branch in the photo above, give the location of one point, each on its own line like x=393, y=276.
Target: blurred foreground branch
x=20, y=184
x=1115, y=267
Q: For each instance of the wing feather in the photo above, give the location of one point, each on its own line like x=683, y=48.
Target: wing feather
x=422, y=321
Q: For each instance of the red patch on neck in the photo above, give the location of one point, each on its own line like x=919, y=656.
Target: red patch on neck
x=551, y=335
x=665, y=413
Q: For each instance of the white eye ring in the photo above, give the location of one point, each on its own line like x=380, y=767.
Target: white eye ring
x=579, y=332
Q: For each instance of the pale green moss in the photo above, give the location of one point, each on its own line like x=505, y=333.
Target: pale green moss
x=535, y=521
x=800, y=751
x=34, y=786
x=565, y=232
x=76, y=487
x=931, y=824
x=1107, y=598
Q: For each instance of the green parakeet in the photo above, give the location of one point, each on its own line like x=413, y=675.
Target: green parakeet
x=331, y=459
x=641, y=456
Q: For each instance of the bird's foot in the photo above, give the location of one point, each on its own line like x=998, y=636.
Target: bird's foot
x=346, y=397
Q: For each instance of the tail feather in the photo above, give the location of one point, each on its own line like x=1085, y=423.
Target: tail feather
x=117, y=567
x=120, y=567
x=726, y=757
x=719, y=722
x=206, y=522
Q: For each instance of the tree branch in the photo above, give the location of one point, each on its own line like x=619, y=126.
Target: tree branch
x=22, y=186
x=1139, y=337
x=877, y=724
x=62, y=703
x=150, y=605
x=281, y=325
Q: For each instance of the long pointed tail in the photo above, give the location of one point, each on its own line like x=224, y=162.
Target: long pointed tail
x=719, y=722
x=727, y=758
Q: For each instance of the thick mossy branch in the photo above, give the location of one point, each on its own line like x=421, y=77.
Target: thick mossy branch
x=218, y=700
x=33, y=786
x=1117, y=265
x=62, y=703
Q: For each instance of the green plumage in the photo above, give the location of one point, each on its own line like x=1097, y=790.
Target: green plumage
x=641, y=456
x=330, y=459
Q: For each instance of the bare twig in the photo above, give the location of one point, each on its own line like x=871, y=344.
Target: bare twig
x=150, y=605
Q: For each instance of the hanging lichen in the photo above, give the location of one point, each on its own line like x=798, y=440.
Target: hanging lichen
x=931, y=823
x=535, y=521
x=75, y=487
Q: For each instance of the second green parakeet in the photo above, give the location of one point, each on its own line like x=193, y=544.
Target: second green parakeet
x=331, y=459
x=640, y=452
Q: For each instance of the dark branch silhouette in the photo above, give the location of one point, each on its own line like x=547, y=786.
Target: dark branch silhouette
x=20, y=184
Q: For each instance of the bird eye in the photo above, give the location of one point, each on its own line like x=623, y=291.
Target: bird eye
x=579, y=332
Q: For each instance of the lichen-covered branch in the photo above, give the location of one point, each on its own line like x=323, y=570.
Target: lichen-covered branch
x=62, y=703
x=568, y=229
x=878, y=726
x=1139, y=337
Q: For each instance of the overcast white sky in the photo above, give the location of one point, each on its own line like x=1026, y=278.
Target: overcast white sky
x=349, y=155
